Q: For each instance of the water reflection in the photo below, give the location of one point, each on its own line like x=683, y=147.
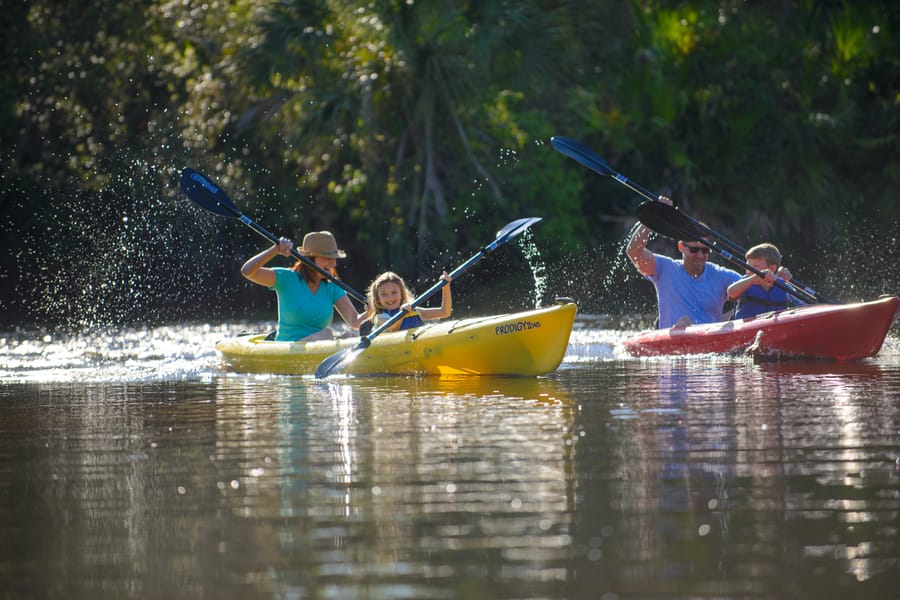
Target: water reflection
x=630, y=478
x=715, y=460
x=454, y=467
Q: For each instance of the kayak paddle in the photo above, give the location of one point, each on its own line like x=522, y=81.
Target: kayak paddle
x=340, y=360
x=670, y=222
x=210, y=196
x=590, y=159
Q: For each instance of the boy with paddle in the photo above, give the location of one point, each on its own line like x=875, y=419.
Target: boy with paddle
x=755, y=295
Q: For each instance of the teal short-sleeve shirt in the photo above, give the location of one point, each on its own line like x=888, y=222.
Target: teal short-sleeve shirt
x=300, y=312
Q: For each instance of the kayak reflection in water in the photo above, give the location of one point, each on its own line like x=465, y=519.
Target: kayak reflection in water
x=306, y=298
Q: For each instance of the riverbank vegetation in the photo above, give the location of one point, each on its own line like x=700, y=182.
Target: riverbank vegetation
x=414, y=130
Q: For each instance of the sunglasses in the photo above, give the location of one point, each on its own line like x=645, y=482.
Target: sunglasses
x=696, y=249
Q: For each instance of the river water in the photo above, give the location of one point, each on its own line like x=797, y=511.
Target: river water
x=131, y=466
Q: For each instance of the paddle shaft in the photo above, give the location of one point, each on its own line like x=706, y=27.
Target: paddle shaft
x=798, y=293
x=211, y=192
x=587, y=157
x=435, y=288
x=336, y=362
x=642, y=191
x=304, y=259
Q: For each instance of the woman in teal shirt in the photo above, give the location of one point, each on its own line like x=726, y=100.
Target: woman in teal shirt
x=306, y=298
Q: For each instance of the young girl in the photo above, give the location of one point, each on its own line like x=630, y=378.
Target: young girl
x=388, y=294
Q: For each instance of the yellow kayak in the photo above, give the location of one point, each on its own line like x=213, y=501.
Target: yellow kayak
x=526, y=343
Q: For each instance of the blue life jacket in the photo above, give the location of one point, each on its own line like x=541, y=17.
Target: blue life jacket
x=412, y=318
x=757, y=300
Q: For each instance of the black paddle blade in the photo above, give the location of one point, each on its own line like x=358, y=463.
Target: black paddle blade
x=366, y=328
x=581, y=153
x=668, y=221
x=339, y=360
x=207, y=194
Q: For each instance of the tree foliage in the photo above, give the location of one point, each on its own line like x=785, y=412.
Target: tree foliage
x=413, y=130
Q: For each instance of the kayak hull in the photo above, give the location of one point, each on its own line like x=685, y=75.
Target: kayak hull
x=527, y=343
x=826, y=331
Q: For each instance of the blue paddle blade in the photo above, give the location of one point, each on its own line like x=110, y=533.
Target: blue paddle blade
x=514, y=228
x=337, y=362
x=581, y=153
x=205, y=193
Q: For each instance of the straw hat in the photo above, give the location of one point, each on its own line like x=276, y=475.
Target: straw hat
x=321, y=243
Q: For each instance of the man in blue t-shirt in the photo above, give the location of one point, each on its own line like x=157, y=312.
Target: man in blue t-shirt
x=690, y=290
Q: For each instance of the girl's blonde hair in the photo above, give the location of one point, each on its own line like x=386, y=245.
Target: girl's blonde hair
x=387, y=277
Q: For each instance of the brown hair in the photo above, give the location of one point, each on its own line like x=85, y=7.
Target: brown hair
x=308, y=273
x=387, y=277
x=767, y=252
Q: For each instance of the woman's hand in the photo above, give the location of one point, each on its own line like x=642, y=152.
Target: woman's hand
x=284, y=246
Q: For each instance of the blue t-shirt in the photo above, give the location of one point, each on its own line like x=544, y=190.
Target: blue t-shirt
x=678, y=294
x=300, y=312
x=756, y=300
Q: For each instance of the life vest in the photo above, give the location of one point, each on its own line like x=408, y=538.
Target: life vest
x=757, y=300
x=412, y=318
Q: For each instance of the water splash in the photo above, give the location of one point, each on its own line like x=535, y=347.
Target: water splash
x=539, y=274
x=621, y=265
x=123, y=254
x=132, y=354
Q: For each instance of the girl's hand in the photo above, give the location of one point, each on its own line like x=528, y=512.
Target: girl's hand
x=446, y=277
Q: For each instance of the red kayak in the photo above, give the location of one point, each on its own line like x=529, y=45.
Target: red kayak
x=832, y=331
